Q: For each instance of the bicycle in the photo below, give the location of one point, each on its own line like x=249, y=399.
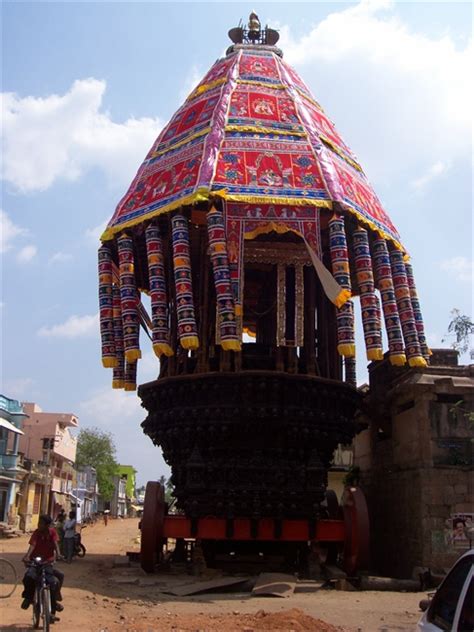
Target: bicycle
x=8, y=578
x=42, y=596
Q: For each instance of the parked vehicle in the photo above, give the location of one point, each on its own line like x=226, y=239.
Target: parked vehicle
x=79, y=548
x=452, y=605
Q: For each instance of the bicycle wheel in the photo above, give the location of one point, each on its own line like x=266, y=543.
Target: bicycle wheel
x=46, y=608
x=81, y=550
x=8, y=578
x=36, y=610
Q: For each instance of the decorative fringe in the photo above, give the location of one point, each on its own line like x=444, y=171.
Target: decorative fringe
x=342, y=298
x=417, y=361
x=128, y=299
x=369, y=301
x=180, y=143
x=340, y=270
x=415, y=303
x=130, y=381
x=263, y=130
x=201, y=195
x=402, y=295
x=228, y=336
x=118, y=375
x=187, y=328
x=264, y=199
x=159, y=299
x=383, y=274
x=398, y=359
x=109, y=359
x=347, y=350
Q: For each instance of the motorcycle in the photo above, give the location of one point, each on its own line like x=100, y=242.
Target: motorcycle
x=79, y=548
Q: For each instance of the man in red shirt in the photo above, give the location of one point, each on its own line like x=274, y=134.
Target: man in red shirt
x=44, y=544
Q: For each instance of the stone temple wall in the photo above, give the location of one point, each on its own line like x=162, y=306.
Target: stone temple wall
x=416, y=465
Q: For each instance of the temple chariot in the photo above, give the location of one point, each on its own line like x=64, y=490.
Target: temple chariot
x=248, y=231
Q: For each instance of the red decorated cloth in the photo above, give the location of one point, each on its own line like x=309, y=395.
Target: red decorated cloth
x=250, y=132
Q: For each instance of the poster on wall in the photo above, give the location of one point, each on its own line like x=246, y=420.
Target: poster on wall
x=459, y=531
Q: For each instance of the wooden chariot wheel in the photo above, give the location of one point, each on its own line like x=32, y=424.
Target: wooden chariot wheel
x=356, y=520
x=151, y=526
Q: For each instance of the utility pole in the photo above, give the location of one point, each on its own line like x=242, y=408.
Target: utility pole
x=48, y=444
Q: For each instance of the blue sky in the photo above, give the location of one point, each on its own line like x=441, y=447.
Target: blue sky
x=86, y=89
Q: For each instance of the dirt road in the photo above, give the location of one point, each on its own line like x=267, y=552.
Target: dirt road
x=99, y=597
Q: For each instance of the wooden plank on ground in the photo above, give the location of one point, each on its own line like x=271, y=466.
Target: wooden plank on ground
x=274, y=585
x=213, y=585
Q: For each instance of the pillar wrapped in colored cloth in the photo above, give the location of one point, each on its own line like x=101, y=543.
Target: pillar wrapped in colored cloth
x=130, y=382
x=369, y=301
x=350, y=374
x=187, y=328
x=415, y=303
x=340, y=270
x=383, y=275
x=158, y=295
x=407, y=318
x=129, y=300
x=228, y=335
x=118, y=379
x=109, y=359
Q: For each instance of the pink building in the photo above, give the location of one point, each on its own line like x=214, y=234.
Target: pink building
x=47, y=439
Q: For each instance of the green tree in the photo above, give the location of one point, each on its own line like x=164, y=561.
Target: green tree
x=462, y=328
x=97, y=448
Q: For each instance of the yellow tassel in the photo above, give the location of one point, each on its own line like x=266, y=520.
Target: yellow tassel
x=163, y=348
x=347, y=350
x=205, y=87
x=375, y=354
x=262, y=130
x=268, y=199
x=273, y=86
x=231, y=345
x=190, y=342
x=238, y=310
x=340, y=153
x=117, y=384
x=109, y=363
x=417, y=361
x=398, y=359
x=132, y=355
x=186, y=140
x=130, y=386
x=343, y=296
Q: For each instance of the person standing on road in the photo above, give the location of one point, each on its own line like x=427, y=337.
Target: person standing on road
x=69, y=536
x=60, y=520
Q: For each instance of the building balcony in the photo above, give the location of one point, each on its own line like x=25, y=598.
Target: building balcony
x=9, y=461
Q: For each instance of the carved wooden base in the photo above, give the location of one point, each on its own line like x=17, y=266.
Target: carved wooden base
x=256, y=443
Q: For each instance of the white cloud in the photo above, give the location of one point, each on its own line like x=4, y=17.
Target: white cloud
x=62, y=136
x=92, y=235
x=398, y=97
x=18, y=388
x=461, y=267
x=73, y=327
x=27, y=253
x=8, y=231
x=192, y=79
x=106, y=405
x=60, y=257
x=430, y=174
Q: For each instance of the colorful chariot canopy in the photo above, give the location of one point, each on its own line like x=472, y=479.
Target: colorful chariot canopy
x=251, y=131
x=256, y=154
